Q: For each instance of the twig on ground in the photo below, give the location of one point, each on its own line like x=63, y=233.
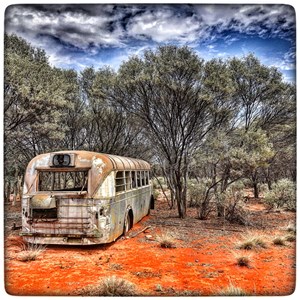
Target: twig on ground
x=137, y=233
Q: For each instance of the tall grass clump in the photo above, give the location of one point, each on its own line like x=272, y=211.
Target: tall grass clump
x=232, y=290
x=250, y=242
x=110, y=286
x=166, y=240
x=31, y=252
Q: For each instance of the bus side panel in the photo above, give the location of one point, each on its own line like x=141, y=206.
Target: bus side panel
x=118, y=210
x=140, y=203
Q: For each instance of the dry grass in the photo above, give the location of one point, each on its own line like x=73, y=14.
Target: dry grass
x=13, y=240
x=166, y=240
x=31, y=252
x=291, y=228
x=243, y=258
x=110, y=286
x=279, y=241
x=232, y=290
x=290, y=238
x=250, y=242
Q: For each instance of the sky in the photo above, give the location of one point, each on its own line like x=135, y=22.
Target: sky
x=76, y=36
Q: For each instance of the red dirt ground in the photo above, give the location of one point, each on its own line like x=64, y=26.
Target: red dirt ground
x=203, y=261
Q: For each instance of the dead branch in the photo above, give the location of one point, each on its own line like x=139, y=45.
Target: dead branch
x=137, y=233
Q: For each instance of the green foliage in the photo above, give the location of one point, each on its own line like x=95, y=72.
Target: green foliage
x=158, y=182
x=35, y=98
x=254, y=151
x=282, y=195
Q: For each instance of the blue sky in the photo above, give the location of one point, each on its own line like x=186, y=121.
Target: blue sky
x=78, y=36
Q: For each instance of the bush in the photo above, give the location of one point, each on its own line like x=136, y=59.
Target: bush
x=196, y=192
x=282, y=195
x=110, y=286
x=156, y=193
x=200, y=196
x=263, y=187
x=157, y=182
x=234, y=204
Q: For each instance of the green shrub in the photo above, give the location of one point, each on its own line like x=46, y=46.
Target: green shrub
x=156, y=193
x=157, y=182
x=200, y=196
x=282, y=195
x=197, y=191
x=263, y=187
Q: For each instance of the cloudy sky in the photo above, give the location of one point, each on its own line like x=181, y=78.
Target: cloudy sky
x=76, y=36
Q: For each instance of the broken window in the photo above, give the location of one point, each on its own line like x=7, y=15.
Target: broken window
x=63, y=181
x=138, y=178
x=147, y=177
x=133, y=178
x=128, y=180
x=120, y=182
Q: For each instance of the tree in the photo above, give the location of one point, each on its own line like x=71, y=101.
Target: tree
x=173, y=94
x=264, y=100
x=110, y=129
x=34, y=100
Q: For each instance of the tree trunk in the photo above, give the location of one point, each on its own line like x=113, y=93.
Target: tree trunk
x=255, y=185
x=7, y=191
x=180, y=193
x=255, y=190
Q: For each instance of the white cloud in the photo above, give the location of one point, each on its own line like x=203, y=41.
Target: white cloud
x=163, y=26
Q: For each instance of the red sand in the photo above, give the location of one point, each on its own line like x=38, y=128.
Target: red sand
x=203, y=262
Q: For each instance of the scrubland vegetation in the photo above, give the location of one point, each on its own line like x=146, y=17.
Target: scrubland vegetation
x=209, y=128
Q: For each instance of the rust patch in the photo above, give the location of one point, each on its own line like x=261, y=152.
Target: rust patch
x=42, y=201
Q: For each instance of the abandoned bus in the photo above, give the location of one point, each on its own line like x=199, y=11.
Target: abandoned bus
x=81, y=198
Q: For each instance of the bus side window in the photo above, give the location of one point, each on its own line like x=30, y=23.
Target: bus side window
x=147, y=177
x=133, y=179
x=138, y=177
x=120, y=182
x=128, y=180
x=143, y=177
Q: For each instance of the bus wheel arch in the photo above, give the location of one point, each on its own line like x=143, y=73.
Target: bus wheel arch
x=128, y=220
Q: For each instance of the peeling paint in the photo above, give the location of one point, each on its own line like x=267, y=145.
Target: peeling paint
x=98, y=164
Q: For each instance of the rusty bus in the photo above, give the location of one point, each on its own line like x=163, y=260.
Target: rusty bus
x=81, y=197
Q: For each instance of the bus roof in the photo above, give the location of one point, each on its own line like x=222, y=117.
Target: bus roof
x=88, y=159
